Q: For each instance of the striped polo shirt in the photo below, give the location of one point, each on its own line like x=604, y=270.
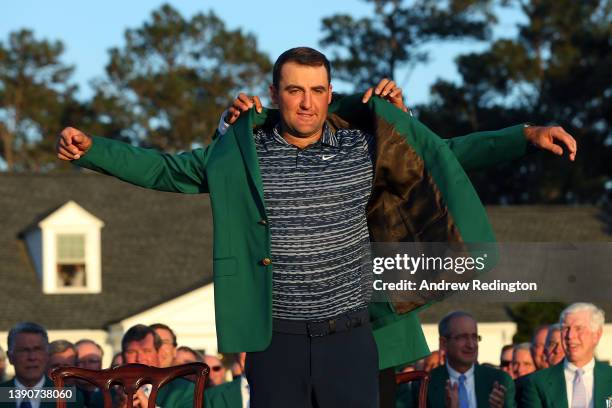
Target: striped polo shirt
x=316, y=201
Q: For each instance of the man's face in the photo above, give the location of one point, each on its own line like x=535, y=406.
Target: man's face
x=89, y=356
x=217, y=371
x=303, y=96
x=522, y=363
x=29, y=357
x=462, y=345
x=66, y=358
x=506, y=362
x=579, y=341
x=142, y=352
x=554, y=350
x=167, y=351
x=538, y=348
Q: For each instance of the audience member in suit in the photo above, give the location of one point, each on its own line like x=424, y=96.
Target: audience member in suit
x=117, y=360
x=538, y=342
x=62, y=353
x=167, y=352
x=186, y=355
x=28, y=346
x=505, y=360
x=89, y=356
x=578, y=381
x=140, y=344
x=522, y=365
x=554, y=349
x=462, y=382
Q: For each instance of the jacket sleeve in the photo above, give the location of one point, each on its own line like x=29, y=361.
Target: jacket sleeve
x=529, y=396
x=148, y=168
x=485, y=149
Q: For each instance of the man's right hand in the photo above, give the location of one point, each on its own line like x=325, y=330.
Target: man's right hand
x=72, y=144
x=241, y=104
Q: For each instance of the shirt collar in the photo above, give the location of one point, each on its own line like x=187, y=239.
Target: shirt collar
x=23, y=387
x=328, y=137
x=454, y=375
x=572, y=368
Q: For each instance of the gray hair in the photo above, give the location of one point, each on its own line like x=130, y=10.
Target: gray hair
x=59, y=346
x=26, y=327
x=444, y=325
x=521, y=346
x=597, y=315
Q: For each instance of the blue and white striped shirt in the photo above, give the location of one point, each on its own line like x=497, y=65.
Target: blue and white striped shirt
x=316, y=201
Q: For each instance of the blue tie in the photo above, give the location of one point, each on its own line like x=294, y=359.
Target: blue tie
x=463, y=395
x=579, y=398
x=25, y=404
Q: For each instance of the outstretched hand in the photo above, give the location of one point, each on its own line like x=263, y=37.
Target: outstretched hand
x=388, y=90
x=550, y=137
x=72, y=144
x=242, y=103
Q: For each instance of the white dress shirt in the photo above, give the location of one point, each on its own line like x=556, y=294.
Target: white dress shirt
x=569, y=370
x=469, y=383
x=244, y=392
x=35, y=402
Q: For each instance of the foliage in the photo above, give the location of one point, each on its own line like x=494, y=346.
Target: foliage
x=531, y=315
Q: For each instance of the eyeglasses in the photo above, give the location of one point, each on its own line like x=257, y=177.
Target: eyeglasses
x=216, y=368
x=465, y=337
x=506, y=363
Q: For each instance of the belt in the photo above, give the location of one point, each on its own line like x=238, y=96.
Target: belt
x=320, y=328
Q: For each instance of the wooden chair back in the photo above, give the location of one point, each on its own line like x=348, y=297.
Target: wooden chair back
x=422, y=376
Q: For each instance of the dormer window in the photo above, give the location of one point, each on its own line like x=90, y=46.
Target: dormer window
x=65, y=250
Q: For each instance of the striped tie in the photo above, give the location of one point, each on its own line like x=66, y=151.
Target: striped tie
x=579, y=399
x=463, y=395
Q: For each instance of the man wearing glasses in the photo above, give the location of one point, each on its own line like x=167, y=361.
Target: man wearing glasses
x=462, y=382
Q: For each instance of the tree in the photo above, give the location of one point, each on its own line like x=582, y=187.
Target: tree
x=375, y=47
x=529, y=316
x=555, y=71
x=34, y=91
x=174, y=77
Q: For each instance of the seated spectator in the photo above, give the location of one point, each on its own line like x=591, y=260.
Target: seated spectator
x=186, y=355
x=233, y=394
x=217, y=371
x=579, y=380
x=89, y=356
x=28, y=347
x=167, y=352
x=553, y=350
x=505, y=360
x=522, y=360
x=537, y=347
x=117, y=360
x=62, y=353
x=141, y=344
x=462, y=380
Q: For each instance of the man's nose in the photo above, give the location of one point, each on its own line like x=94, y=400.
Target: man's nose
x=306, y=101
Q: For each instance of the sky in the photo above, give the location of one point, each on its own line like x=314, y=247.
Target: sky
x=89, y=29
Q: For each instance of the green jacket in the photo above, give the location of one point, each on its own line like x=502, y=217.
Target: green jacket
x=484, y=378
x=438, y=204
x=79, y=402
x=546, y=388
x=226, y=395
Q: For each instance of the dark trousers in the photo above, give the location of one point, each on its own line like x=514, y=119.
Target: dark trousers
x=332, y=371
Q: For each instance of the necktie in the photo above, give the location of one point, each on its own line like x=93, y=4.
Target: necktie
x=463, y=395
x=25, y=404
x=579, y=399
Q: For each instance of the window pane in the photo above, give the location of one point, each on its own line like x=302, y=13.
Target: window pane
x=70, y=248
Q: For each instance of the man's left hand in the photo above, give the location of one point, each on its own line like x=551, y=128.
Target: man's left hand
x=497, y=396
x=140, y=399
x=549, y=138
x=388, y=90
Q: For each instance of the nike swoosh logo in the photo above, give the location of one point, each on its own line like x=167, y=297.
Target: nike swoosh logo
x=328, y=156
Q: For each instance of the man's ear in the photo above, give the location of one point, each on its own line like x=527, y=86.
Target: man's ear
x=442, y=343
x=9, y=354
x=273, y=94
x=329, y=98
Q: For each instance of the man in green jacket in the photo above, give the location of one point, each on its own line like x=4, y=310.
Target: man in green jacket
x=295, y=195
x=579, y=380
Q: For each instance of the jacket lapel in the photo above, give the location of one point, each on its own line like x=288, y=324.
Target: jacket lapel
x=602, y=374
x=481, y=387
x=556, y=392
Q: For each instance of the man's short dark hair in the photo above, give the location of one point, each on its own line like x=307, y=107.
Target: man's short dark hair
x=89, y=341
x=162, y=326
x=26, y=327
x=444, y=325
x=196, y=355
x=137, y=333
x=302, y=56
x=59, y=346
